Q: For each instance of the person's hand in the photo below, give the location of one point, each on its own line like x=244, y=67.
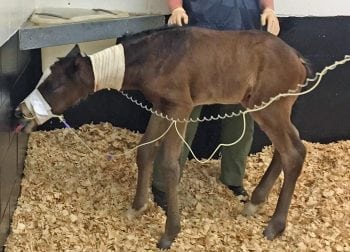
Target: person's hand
x=178, y=17
x=269, y=18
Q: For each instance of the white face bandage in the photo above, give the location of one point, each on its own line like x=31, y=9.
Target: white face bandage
x=37, y=105
x=109, y=67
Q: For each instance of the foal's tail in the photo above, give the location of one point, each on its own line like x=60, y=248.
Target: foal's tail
x=306, y=64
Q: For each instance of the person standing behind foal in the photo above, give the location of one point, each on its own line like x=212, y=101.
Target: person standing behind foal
x=221, y=15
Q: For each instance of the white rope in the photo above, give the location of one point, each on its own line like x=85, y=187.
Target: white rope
x=110, y=156
x=217, y=148
x=143, y=144
x=318, y=77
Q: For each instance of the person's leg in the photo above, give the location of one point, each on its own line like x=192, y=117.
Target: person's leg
x=233, y=160
x=158, y=186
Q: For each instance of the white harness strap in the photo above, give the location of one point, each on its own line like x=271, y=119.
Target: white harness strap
x=109, y=67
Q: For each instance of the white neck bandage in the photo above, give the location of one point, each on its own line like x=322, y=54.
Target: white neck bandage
x=109, y=67
x=37, y=105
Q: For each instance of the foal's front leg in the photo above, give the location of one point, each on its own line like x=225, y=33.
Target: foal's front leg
x=144, y=159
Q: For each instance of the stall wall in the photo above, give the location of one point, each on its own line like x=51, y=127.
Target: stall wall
x=19, y=72
x=312, y=8
x=12, y=15
x=283, y=7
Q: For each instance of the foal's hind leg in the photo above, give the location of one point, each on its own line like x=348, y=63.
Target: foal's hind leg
x=170, y=153
x=263, y=189
x=144, y=159
x=285, y=138
x=292, y=160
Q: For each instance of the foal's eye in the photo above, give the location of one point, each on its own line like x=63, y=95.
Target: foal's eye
x=52, y=85
x=56, y=86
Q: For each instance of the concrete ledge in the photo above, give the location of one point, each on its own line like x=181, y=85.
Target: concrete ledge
x=34, y=36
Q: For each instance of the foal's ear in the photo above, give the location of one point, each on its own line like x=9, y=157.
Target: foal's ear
x=74, y=52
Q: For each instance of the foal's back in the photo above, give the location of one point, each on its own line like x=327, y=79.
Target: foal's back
x=236, y=66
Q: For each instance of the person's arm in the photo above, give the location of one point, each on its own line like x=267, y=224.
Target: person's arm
x=173, y=4
x=264, y=4
x=268, y=16
x=178, y=14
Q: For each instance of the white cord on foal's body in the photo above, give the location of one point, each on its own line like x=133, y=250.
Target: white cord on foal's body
x=217, y=148
x=263, y=105
x=318, y=77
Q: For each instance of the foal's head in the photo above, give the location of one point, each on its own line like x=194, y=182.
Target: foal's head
x=71, y=79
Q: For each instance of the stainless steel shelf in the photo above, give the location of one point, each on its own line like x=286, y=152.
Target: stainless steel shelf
x=39, y=36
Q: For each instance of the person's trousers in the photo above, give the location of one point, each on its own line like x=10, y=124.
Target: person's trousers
x=233, y=158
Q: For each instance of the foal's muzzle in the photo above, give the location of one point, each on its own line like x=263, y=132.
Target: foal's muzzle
x=25, y=120
x=34, y=110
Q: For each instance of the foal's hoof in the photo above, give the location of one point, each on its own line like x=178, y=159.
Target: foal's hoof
x=274, y=229
x=164, y=243
x=250, y=209
x=133, y=213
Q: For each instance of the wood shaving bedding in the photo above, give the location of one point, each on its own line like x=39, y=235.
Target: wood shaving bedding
x=75, y=200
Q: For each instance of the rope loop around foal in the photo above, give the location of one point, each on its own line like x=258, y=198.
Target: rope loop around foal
x=217, y=147
x=316, y=79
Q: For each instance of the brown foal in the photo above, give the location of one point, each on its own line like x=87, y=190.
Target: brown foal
x=179, y=68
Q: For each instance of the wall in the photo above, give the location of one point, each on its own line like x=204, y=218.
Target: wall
x=19, y=71
x=312, y=7
x=12, y=14
x=283, y=7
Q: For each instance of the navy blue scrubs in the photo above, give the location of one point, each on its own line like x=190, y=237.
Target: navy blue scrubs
x=224, y=14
